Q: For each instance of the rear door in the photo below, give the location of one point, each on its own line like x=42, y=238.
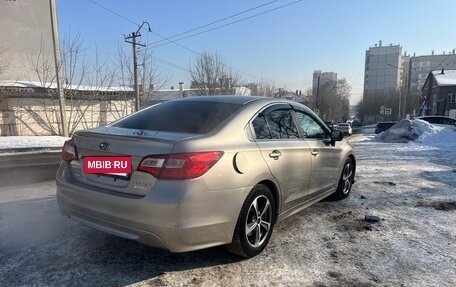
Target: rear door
x=287, y=156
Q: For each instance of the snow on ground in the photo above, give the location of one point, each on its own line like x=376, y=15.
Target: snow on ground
x=13, y=143
x=34, y=84
x=410, y=185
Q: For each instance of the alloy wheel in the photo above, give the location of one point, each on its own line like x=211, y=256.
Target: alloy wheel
x=258, y=221
x=347, y=178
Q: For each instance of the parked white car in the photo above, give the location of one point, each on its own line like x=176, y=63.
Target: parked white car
x=345, y=128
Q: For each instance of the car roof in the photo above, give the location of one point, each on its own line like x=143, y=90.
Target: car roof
x=225, y=99
x=257, y=101
x=428, y=117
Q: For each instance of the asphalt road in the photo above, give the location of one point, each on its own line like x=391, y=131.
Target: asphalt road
x=28, y=168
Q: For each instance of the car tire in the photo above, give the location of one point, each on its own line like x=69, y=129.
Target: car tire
x=346, y=180
x=255, y=223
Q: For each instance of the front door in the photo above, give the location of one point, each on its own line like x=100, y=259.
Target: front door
x=287, y=156
x=325, y=157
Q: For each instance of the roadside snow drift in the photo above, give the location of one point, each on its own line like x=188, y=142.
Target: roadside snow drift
x=31, y=142
x=418, y=131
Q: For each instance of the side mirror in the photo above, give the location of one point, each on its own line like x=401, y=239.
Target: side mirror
x=336, y=135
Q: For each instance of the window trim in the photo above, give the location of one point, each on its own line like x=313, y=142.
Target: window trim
x=451, y=98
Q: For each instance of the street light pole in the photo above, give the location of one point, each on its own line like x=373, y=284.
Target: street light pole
x=132, y=40
x=399, y=111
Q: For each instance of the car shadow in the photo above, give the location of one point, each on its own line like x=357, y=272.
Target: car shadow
x=42, y=247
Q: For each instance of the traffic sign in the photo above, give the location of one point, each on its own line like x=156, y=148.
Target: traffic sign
x=388, y=111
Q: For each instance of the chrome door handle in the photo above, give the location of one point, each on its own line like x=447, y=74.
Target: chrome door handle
x=275, y=154
x=315, y=152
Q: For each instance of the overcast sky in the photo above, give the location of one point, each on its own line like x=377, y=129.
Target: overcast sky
x=285, y=45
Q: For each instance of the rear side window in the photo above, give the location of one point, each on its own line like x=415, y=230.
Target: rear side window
x=260, y=125
x=198, y=117
x=277, y=124
x=282, y=125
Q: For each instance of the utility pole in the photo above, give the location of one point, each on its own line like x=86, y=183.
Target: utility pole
x=132, y=40
x=318, y=91
x=58, y=75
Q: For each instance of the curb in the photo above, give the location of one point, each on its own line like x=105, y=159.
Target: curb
x=30, y=149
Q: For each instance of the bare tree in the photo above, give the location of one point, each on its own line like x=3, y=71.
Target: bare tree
x=264, y=89
x=331, y=100
x=369, y=108
x=210, y=75
x=43, y=68
x=85, y=87
x=4, y=60
x=149, y=77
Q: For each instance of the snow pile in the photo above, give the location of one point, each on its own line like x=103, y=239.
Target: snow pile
x=31, y=142
x=434, y=135
x=419, y=131
x=402, y=132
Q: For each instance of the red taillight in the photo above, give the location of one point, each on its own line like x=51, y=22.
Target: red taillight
x=180, y=165
x=69, y=151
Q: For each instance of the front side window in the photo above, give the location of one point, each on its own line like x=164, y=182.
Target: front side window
x=309, y=126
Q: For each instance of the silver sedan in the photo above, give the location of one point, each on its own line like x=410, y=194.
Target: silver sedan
x=204, y=171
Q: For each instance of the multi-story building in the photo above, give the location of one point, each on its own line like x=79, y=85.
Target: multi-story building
x=383, y=69
x=320, y=79
x=420, y=66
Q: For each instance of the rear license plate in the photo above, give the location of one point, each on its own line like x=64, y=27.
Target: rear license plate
x=108, y=165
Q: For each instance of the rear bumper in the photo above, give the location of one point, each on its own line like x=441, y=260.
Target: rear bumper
x=177, y=216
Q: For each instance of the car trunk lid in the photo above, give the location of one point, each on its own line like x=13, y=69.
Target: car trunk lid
x=114, y=141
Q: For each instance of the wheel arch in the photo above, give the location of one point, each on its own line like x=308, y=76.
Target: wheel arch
x=352, y=157
x=275, y=193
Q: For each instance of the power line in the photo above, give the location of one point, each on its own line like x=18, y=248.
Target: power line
x=170, y=64
x=114, y=12
x=227, y=24
x=446, y=58
x=153, y=57
x=216, y=21
x=205, y=31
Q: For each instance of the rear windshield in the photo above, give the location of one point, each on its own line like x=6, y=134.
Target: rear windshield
x=198, y=117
